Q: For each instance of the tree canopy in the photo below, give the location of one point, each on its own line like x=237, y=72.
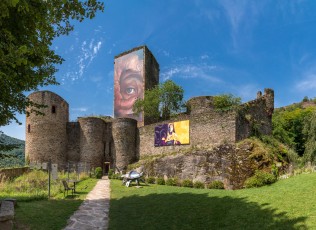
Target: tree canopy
x=225, y=102
x=27, y=61
x=161, y=102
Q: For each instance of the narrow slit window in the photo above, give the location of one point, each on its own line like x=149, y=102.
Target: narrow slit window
x=53, y=109
x=28, y=128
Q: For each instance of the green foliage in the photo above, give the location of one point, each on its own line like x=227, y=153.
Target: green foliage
x=27, y=58
x=288, y=126
x=198, y=184
x=110, y=173
x=216, y=184
x=114, y=176
x=172, y=182
x=11, y=152
x=260, y=178
x=150, y=180
x=226, y=102
x=162, y=101
x=98, y=172
x=305, y=99
x=310, y=144
x=187, y=183
x=160, y=181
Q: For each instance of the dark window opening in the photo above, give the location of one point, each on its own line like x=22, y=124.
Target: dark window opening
x=53, y=109
x=29, y=128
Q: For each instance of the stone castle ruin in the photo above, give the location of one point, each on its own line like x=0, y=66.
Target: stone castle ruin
x=128, y=137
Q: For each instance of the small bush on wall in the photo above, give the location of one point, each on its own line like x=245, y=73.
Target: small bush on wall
x=160, y=181
x=216, y=184
x=172, y=182
x=150, y=180
x=187, y=183
x=198, y=184
x=98, y=172
x=260, y=178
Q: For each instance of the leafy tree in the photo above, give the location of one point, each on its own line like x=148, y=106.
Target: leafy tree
x=27, y=29
x=310, y=145
x=162, y=101
x=288, y=126
x=305, y=99
x=225, y=102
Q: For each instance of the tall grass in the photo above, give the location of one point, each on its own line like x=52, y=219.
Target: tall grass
x=34, y=185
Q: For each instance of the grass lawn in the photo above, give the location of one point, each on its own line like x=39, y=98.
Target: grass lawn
x=287, y=204
x=38, y=213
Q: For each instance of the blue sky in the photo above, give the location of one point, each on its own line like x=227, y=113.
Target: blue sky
x=207, y=47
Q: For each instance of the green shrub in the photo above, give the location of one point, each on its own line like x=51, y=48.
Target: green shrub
x=198, y=184
x=171, y=182
x=110, y=173
x=116, y=176
x=160, y=181
x=150, y=180
x=187, y=183
x=98, y=172
x=216, y=184
x=260, y=178
x=225, y=102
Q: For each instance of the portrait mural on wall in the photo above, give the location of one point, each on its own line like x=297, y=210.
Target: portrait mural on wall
x=175, y=133
x=128, y=83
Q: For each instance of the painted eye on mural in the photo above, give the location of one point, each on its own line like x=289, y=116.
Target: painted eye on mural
x=130, y=90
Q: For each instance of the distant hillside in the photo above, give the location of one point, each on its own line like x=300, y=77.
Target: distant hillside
x=14, y=157
x=301, y=105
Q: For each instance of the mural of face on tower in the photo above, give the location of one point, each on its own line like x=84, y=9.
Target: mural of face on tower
x=128, y=83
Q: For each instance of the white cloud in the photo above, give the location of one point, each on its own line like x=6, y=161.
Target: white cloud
x=307, y=74
x=308, y=82
x=242, y=15
x=202, y=71
x=205, y=56
x=79, y=109
x=88, y=53
x=247, y=92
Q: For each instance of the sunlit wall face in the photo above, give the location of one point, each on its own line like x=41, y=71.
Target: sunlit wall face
x=128, y=83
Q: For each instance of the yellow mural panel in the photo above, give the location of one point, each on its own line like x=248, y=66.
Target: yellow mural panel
x=182, y=129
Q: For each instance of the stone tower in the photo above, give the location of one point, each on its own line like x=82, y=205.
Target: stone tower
x=46, y=137
x=135, y=71
x=92, y=145
x=124, y=131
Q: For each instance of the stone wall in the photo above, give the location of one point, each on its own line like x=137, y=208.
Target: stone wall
x=228, y=163
x=255, y=117
x=151, y=73
x=124, y=136
x=206, y=130
x=46, y=137
x=12, y=172
x=73, y=143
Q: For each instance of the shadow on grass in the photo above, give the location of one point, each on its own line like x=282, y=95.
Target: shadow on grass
x=44, y=214
x=196, y=211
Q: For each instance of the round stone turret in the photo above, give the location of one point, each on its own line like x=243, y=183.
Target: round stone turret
x=46, y=137
x=124, y=132
x=197, y=105
x=92, y=145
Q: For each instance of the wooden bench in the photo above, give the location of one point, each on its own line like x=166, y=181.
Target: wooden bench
x=7, y=214
x=67, y=188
